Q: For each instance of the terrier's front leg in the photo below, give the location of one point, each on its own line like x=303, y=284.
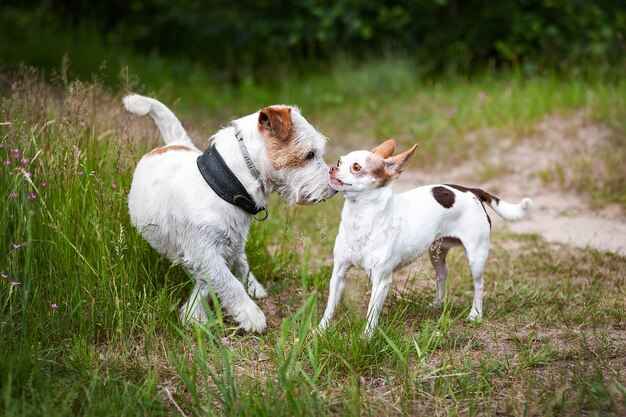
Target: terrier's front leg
x=231, y=294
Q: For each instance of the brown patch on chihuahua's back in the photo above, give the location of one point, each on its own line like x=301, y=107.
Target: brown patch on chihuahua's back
x=443, y=196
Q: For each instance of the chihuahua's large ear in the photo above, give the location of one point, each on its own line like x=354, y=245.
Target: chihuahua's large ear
x=276, y=120
x=385, y=149
x=398, y=163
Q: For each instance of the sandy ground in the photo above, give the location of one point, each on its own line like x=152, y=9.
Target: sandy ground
x=515, y=171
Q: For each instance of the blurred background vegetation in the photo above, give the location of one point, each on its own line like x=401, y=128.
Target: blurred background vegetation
x=88, y=310
x=234, y=41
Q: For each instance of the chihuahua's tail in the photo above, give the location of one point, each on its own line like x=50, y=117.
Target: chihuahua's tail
x=170, y=127
x=510, y=211
x=505, y=210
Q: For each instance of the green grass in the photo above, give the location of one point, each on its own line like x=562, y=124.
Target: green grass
x=552, y=338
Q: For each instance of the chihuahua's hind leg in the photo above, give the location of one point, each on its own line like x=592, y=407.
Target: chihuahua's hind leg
x=438, y=252
x=438, y=255
x=477, y=256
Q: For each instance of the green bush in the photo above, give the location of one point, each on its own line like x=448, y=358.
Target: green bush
x=237, y=38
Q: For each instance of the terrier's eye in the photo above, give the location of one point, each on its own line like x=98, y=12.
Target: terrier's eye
x=310, y=155
x=356, y=167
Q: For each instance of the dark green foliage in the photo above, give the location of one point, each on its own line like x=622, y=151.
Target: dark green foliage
x=237, y=38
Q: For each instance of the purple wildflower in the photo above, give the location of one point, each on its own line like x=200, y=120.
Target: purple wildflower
x=28, y=174
x=16, y=150
x=114, y=186
x=225, y=341
x=54, y=305
x=16, y=246
x=13, y=194
x=7, y=162
x=80, y=172
x=24, y=161
x=82, y=123
x=31, y=196
x=15, y=283
x=4, y=276
x=43, y=184
x=16, y=156
x=481, y=96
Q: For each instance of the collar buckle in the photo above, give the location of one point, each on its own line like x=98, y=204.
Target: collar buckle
x=262, y=219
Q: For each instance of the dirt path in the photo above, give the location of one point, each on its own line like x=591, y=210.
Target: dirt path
x=514, y=169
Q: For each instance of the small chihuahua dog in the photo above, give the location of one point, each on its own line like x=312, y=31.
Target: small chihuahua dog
x=382, y=232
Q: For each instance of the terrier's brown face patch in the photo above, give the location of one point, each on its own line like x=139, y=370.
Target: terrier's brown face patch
x=275, y=124
x=281, y=144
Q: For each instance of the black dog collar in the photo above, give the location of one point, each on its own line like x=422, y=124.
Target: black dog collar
x=225, y=184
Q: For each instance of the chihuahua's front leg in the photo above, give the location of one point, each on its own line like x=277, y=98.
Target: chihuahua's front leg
x=337, y=283
x=381, y=280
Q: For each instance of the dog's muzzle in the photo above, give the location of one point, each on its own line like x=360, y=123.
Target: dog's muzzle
x=307, y=201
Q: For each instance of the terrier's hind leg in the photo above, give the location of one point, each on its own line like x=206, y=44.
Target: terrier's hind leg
x=192, y=311
x=241, y=270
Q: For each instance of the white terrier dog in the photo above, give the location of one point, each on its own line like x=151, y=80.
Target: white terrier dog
x=175, y=209
x=382, y=232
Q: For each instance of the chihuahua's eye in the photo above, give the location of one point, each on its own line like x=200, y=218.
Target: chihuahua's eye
x=338, y=162
x=356, y=167
x=310, y=155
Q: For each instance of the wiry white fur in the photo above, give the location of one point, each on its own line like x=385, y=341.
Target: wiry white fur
x=179, y=214
x=305, y=185
x=382, y=232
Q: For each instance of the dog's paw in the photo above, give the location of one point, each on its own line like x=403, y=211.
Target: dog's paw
x=321, y=328
x=193, y=315
x=435, y=304
x=255, y=289
x=475, y=316
x=368, y=333
x=251, y=318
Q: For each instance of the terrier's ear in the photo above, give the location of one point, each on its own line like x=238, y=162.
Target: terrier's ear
x=276, y=120
x=385, y=149
x=397, y=164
